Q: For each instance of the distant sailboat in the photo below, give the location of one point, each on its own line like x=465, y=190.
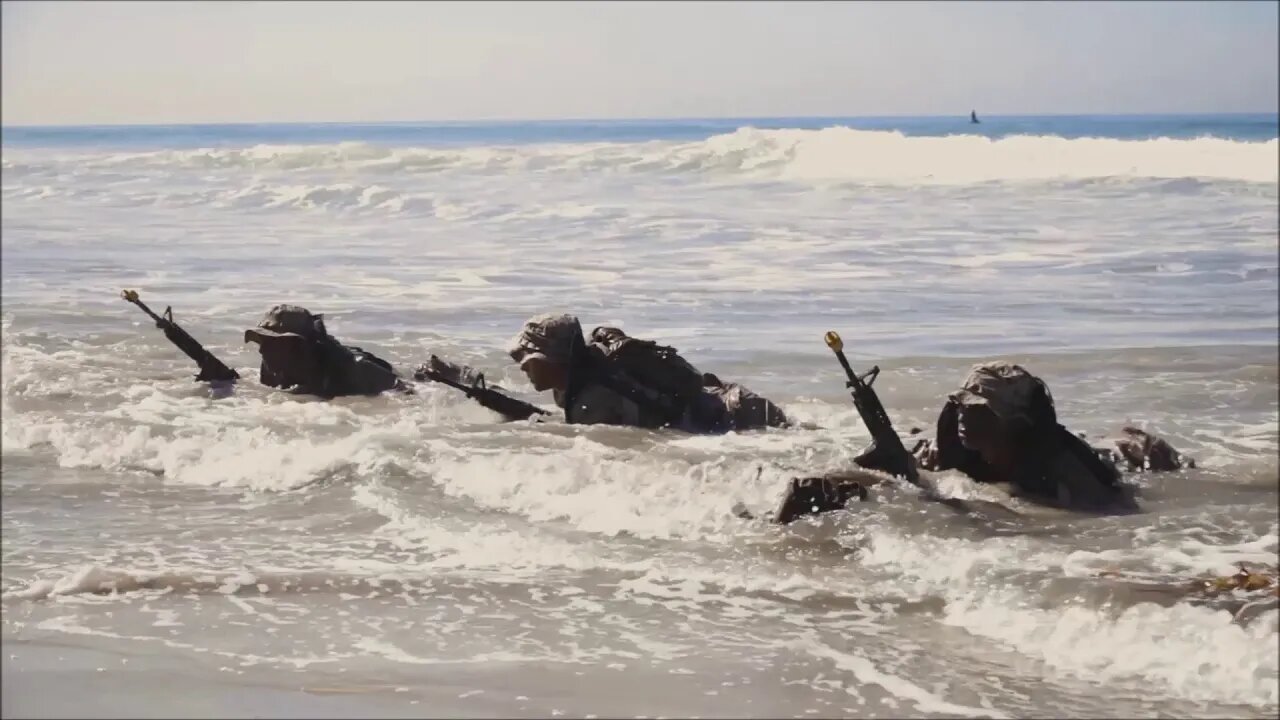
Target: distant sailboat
x=973, y=116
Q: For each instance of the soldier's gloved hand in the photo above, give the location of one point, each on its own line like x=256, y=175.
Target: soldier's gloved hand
x=925, y=454
x=435, y=368
x=874, y=458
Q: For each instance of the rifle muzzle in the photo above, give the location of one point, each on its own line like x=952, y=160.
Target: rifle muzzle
x=833, y=341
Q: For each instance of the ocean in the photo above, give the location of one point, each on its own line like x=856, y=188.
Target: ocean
x=175, y=550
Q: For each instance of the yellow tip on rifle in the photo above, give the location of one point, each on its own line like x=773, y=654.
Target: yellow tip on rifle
x=130, y=295
x=833, y=341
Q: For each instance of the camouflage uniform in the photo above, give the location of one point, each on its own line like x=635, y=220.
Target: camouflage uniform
x=734, y=407
x=598, y=394
x=1139, y=450
x=320, y=365
x=1053, y=466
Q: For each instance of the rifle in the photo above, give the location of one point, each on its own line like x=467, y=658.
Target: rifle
x=813, y=495
x=211, y=368
x=473, y=385
x=886, y=452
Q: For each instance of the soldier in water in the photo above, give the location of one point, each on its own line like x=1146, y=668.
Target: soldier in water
x=299, y=354
x=1001, y=427
x=619, y=380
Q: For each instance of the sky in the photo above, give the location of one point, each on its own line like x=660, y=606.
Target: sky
x=216, y=62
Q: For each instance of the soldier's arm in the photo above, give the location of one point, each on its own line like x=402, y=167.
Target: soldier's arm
x=597, y=405
x=1140, y=450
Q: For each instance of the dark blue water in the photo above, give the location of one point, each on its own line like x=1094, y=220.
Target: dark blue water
x=1251, y=127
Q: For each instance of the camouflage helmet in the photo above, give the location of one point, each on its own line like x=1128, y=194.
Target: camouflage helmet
x=1013, y=394
x=550, y=337
x=284, y=321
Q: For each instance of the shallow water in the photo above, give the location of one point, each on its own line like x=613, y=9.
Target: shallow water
x=419, y=549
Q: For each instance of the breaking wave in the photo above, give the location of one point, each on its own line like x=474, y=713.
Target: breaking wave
x=830, y=154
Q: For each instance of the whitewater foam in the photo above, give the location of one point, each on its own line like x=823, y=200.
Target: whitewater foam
x=1137, y=277
x=830, y=154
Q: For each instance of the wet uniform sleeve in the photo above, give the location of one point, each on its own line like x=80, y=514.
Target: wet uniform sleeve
x=597, y=405
x=1077, y=487
x=730, y=406
x=352, y=371
x=366, y=377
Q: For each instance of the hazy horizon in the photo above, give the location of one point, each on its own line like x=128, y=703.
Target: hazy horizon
x=658, y=119
x=203, y=63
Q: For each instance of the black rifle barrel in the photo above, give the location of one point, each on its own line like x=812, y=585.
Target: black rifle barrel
x=888, y=453
x=132, y=296
x=211, y=368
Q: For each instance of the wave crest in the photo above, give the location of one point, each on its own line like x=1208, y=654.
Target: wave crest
x=830, y=154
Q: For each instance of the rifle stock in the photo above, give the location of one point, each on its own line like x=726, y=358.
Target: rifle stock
x=472, y=384
x=211, y=368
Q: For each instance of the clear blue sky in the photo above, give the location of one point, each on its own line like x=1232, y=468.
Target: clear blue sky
x=150, y=62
